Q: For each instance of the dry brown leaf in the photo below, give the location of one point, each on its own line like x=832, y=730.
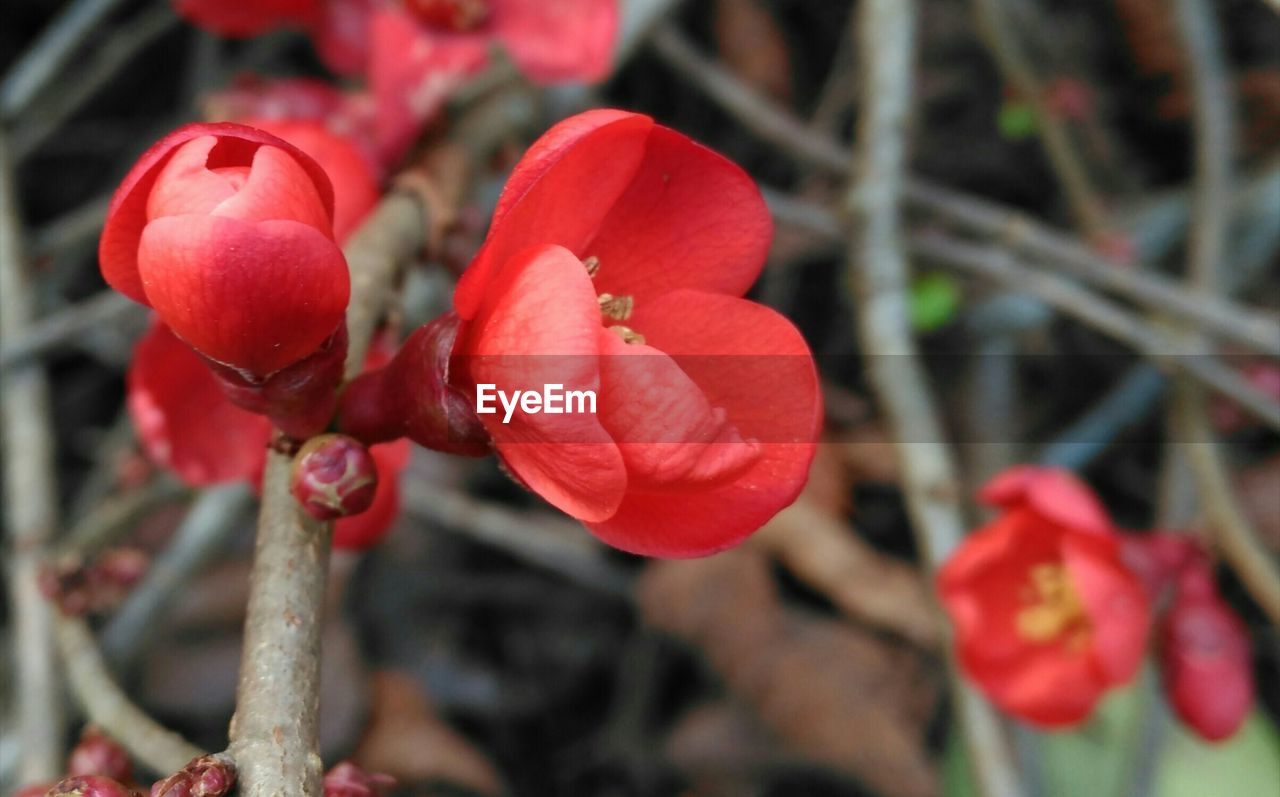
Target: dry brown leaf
x=405, y=739
x=836, y=695
x=752, y=47
x=824, y=552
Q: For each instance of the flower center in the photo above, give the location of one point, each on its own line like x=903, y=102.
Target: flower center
x=459, y=16
x=614, y=308
x=1053, y=609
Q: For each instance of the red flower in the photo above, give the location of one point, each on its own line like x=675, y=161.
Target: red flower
x=227, y=232
x=183, y=418
x=1204, y=657
x=1046, y=616
x=238, y=18
x=708, y=403
x=187, y=424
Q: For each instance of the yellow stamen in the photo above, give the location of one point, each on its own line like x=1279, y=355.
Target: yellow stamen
x=616, y=307
x=627, y=334
x=1055, y=609
x=592, y=265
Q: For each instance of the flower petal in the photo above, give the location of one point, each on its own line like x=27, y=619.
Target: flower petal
x=355, y=188
x=255, y=296
x=539, y=327
x=341, y=35
x=277, y=188
x=1054, y=492
x=412, y=72
x=558, y=40
x=690, y=218
x=1116, y=604
x=753, y=363
x=240, y=19
x=559, y=193
x=127, y=213
x=184, y=420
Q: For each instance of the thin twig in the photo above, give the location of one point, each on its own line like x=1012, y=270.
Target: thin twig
x=1257, y=330
x=1211, y=96
x=1066, y=162
x=1107, y=317
x=56, y=330
x=30, y=506
x=57, y=45
x=877, y=274
x=107, y=706
x=37, y=125
x=209, y=523
x=115, y=516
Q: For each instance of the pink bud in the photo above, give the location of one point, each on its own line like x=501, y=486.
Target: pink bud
x=206, y=776
x=99, y=754
x=1204, y=653
x=90, y=786
x=348, y=780
x=79, y=588
x=334, y=476
x=1159, y=557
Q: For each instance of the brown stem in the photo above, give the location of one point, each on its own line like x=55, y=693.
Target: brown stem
x=877, y=275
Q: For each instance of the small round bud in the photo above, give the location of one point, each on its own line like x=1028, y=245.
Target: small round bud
x=99, y=754
x=334, y=476
x=90, y=786
x=206, y=776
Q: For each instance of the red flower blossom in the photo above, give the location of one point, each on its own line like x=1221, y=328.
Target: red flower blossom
x=1204, y=657
x=708, y=403
x=187, y=424
x=227, y=232
x=1046, y=616
x=238, y=18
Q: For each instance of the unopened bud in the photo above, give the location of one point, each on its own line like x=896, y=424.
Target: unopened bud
x=348, y=780
x=98, y=754
x=206, y=776
x=78, y=588
x=90, y=786
x=334, y=476
x=1205, y=663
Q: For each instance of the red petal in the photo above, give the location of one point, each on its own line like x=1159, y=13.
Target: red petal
x=1051, y=688
x=278, y=189
x=255, y=296
x=559, y=193
x=183, y=419
x=240, y=19
x=753, y=363
x=341, y=35
x=127, y=213
x=1116, y=604
x=412, y=73
x=367, y=528
x=669, y=435
x=558, y=40
x=355, y=188
x=539, y=327
x=690, y=218
x=1054, y=492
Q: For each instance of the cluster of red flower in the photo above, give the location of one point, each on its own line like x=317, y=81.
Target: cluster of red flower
x=1052, y=607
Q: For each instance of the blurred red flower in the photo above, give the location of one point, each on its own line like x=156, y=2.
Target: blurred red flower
x=227, y=232
x=1047, y=617
x=187, y=424
x=618, y=253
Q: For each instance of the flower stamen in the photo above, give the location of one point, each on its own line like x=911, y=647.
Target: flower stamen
x=592, y=264
x=627, y=334
x=1055, y=610
x=616, y=307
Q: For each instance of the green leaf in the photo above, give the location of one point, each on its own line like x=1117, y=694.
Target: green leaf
x=934, y=301
x=1016, y=121
x=1246, y=764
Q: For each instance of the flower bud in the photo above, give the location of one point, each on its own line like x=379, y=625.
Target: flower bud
x=348, y=780
x=78, y=588
x=334, y=476
x=206, y=776
x=90, y=786
x=411, y=397
x=99, y=754
x=1204, y=654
